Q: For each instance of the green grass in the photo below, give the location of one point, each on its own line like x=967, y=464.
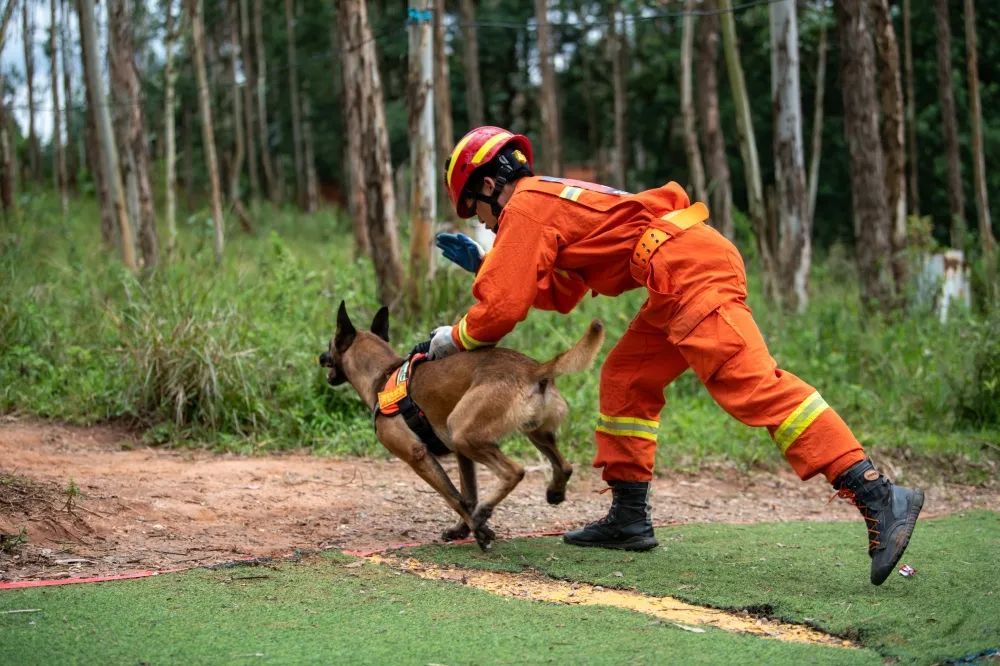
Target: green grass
x=799, y=572
x=225, y=356
x=323, y=612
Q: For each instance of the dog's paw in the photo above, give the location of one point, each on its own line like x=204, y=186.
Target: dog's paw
x=555, y=496
x=456, y=533
x=485, y=537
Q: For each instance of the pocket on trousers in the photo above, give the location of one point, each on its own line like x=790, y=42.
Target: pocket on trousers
x=711, y=343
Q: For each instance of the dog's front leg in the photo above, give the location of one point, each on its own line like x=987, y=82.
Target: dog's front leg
x=412, y=451
x=467, y=473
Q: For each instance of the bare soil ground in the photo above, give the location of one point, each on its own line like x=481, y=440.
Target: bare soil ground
x=146, y=508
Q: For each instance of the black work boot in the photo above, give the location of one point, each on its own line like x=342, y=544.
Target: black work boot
x=628, y=525
x=890, y=512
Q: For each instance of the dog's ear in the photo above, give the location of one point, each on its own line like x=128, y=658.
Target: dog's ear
x=345, y=330
x=380, y=324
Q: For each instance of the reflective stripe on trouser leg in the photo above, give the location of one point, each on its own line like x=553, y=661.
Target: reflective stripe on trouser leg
x=641, y=364
x=729, y=355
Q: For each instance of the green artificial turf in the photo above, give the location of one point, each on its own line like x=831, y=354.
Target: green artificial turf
x=816, y=573
x=334, y=610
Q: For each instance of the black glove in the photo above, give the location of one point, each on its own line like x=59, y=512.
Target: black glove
x=420, y=348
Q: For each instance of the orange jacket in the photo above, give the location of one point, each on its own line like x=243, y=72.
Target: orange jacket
x=557, y=240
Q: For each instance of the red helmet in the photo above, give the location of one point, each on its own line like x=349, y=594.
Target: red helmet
x=475, y=149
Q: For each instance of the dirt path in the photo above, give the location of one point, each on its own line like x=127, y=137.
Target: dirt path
x=150, y=508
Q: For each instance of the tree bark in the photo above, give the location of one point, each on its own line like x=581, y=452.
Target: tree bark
x=870, y=204
x=248, y=97
x=169, y=111
x=816, y=146
x=207, y=130
x=293, y=85
x=6, y=145
x=616, y=47
x=473, y=84
x=105, y=137
x=748, y=148
x=795, y=230
x=353, y=157
x=891, y=100
x=260, y=65
x=239, y=138
x=548, y=101
x=362, y=76
x=696, y=169
x=444, y=131
x=28, y=25
x=132, y=125
x=720, y=189
x=986, y=238
x=59, y=168
x=949, y=125
x=72, y=141
x=423, y=201
x=911, y=116
x=309, y=152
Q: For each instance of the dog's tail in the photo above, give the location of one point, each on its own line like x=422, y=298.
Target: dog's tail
x=577, y=358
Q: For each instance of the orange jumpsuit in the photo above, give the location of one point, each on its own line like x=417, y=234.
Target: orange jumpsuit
x=559, y=239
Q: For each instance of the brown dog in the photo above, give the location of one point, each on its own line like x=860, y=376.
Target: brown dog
x=472, y=400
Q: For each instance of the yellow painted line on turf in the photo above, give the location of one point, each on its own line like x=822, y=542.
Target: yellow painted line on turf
x=535, y=587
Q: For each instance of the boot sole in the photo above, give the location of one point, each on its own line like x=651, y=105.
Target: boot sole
x=634, y=544
x=912, y=511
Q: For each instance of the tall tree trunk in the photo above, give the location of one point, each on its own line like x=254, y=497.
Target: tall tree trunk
x=248, y=99
x=239, y=138
x=696, y=169
x=188, y=154
x=28, y=24
x=260, y=68
x=986, y=237
x=72, y=141
x=362, y=76
x=861, y=109
x=444, y=131
x=911, y=116
x=616, y=48
x=309, y=152
x=548, y=100
x=207, y=130
x=59, y=168
x=293, y=85
x=816, y=145
x=891, y=100
x=169, y=111
x=423, y=201
x=132, y=125
x=795, y=229
x=353, y=157
x=6, y=145
x=949, y=124
x=106, y=140
x=720, y=189
x=748, y=148
x=473, y=84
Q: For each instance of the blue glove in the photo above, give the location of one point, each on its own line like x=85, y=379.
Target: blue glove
x=461, y=249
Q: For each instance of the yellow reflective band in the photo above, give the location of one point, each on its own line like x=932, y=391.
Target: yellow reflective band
x=488, y=146
x=571, y=193
x=641, y=434
x=799, y=420
x=688, y=217
x=468, y=341
x=454, y=155
x=628, y=426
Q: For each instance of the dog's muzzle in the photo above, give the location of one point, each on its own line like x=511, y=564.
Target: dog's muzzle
x=325, y=360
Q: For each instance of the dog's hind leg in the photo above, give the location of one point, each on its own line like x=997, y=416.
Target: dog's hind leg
x=545, y=441
x=467, y=472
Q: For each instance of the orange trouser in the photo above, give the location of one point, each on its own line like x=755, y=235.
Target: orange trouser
x=727, y=352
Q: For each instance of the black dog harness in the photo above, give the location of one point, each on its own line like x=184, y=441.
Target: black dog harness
x=394, y=400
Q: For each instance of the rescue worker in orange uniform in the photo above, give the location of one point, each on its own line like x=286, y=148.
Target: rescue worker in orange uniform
x=557, y=240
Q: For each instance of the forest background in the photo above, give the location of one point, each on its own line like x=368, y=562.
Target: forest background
x=189, y=191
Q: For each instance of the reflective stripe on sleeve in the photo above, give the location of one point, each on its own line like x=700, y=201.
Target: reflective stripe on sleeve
x=571, y=192
x=628, y=426
x=467, y=340
x=800, y=419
